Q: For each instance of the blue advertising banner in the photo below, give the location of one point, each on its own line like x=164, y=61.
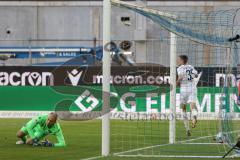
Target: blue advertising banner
x=50, y=52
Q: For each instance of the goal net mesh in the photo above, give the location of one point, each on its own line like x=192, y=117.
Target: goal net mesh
x=140, y=122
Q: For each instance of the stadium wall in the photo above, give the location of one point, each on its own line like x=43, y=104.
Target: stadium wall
x=66, y=23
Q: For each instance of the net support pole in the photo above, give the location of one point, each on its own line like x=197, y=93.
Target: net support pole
x=172, y=124
x=106, y=65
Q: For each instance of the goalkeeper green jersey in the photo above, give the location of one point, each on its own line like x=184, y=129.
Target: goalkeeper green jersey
x=37, y=128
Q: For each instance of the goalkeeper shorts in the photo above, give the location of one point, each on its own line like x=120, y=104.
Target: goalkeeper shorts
x=37, y=134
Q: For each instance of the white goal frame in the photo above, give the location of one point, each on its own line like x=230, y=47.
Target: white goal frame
x=106, y=66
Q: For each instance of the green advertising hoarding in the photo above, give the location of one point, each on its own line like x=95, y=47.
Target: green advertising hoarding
x=124, y=98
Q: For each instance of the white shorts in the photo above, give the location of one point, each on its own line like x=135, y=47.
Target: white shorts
x=188, y=96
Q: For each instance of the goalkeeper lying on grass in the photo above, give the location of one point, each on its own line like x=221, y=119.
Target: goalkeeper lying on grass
x=38, y=128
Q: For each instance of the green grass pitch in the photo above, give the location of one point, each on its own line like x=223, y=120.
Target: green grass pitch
x=84, y=140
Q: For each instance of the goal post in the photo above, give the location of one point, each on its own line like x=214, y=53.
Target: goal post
x=172, y=124
x=106, y=69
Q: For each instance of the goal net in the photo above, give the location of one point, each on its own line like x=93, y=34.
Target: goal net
x=148, y=121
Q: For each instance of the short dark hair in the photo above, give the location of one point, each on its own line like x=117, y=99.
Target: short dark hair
x=184, y=58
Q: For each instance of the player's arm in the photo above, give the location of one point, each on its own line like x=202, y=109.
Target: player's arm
x=60, y=138
x=195, y=72
x=179, y=79
x=179, y=76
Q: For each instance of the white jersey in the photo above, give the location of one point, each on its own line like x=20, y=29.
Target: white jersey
x=188, y=74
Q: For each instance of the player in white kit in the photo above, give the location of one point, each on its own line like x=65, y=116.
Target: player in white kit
x=188, y=90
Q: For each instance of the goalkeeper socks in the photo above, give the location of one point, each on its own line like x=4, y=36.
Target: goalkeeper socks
x=24, y=139
x=185, y=121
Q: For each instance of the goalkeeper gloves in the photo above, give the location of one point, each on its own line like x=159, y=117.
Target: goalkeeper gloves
x=44, y=143
x=47, y=143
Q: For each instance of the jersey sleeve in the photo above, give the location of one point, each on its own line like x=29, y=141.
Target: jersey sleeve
x=60, y=138
x=179, y=72
x=194, y=71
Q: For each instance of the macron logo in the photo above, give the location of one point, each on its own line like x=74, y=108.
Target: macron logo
x=74, y=76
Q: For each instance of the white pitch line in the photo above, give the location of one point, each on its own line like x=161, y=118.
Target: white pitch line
x=205, y=137
x=206, y=143
x=194, y=139
x=170, y=156
x=139, y=149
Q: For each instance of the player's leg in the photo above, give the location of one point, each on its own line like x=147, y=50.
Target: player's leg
x=193, y=114
x=193, y=108
x=21, y=134
x=185, y=119
x=184, y=112
x=29, y=141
